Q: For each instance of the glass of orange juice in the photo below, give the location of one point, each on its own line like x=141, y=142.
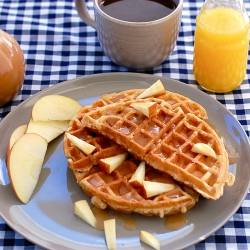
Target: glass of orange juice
x=221, y=45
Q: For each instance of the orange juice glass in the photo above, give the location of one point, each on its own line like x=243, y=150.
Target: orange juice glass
x=220, y=48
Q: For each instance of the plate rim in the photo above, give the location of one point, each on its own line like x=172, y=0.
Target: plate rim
x=142, y=76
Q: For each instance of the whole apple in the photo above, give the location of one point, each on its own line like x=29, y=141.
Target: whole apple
x=12, y=70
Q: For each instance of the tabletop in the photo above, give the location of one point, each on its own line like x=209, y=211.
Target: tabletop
x=58, y=46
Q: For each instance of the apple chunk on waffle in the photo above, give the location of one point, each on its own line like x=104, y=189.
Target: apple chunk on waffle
x=165, y=142
x=114, y=189
x=116, y=192
x=105, y=147
x=173, y=99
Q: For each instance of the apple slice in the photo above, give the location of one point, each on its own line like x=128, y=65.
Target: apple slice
x=150, y=240
x=137, y=178
x=110, y=233
x=149, y=109
x=82, y=210
x=25, y=163
x=152, y=188
x=109, y=164
x=55, y=107
x=205, y=149
x=16, y=134
x=155, y=89
x=85, y=147
x=47, y=129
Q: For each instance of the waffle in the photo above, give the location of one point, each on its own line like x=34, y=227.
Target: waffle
x=85, y=168
x=165, y=141
x=105, y=147
x=173, y=99
x=114, y=191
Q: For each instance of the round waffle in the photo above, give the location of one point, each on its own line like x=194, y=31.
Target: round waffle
x=114, y=191
x=165, y=142
x=105, y=147
x=85, y=167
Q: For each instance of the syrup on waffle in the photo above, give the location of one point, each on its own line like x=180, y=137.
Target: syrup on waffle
x=85, y=168
x=173, y=99
x=105, y=147
x=114, y=191
x=165, y=141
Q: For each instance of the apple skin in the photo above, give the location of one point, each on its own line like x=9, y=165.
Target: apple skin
x=155, y=89
x=205, y=149
x=85, y=147
x=16, y=134
x=138, y=177
x=108, y=165
x=110, y=233
x=150, y=240
x=82, y=210
x=47, y=129
x=55, y=107
x=149, y=109
x=152, y=188
x=24, y=163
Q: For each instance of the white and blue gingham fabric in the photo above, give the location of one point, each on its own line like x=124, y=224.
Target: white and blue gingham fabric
x=58, y=46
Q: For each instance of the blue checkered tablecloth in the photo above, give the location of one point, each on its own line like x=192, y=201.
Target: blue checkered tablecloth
x=58, y=46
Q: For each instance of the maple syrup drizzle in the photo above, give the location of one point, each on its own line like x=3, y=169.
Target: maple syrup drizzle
x=128, y=223
x=101, y=215
x=175, y=221
x=172, y=222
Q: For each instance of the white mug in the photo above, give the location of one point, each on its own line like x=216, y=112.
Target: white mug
x=135, y=45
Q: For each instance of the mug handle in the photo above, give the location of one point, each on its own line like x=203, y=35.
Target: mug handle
x=83, y=12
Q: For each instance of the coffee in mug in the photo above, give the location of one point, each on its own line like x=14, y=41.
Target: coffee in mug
x=138, y=10
x=135, y=43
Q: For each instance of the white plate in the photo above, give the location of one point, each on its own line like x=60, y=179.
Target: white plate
x=48, y=219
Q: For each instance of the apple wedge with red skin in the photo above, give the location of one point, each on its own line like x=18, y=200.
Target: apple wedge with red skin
x=108, y=165
x=55, y=107
x=85, y=147
x=47, y=129
x=16, y=134
x=149, y=109
x=24, y=163
x=152, y=188
x=137, y=178
x=155, y=89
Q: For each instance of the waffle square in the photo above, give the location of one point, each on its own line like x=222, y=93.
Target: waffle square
x=114, y=191
x=165, y=141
